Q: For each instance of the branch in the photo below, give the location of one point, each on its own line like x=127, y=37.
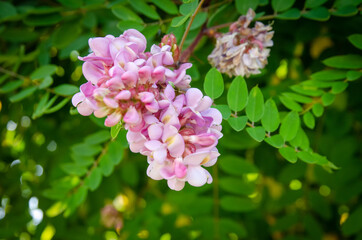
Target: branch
x=190, y=23
x=13, y=74
x=186, y=54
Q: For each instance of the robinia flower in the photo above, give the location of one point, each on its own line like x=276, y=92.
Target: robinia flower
x=167, y=121
x=243, y=50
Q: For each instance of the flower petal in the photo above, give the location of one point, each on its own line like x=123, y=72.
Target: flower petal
x=196, y=176
x=193, y=97
x=84, y=108
x=175, y=184
x=153, y=145
x=155, y=131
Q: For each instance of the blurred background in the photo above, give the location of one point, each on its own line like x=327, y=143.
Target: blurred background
x=62, y=178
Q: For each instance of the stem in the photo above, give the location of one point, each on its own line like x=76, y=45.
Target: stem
x=216, y=203
x=186, y=54
x=13, y=74
x=190, y=23
x=266, y=17
x=224, y=25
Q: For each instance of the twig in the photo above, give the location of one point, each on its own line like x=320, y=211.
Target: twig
x=216, y=203
x=224, y=25
x=186, y=54
x=190, y=23
x=13, y=74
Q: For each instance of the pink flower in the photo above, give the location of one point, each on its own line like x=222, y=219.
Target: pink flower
x=84, y=100
x=175, y=128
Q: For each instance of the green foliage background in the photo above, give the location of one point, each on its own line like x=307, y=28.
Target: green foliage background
x=298, y=180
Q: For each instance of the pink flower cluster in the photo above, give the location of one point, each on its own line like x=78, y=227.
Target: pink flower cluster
x=167, y=121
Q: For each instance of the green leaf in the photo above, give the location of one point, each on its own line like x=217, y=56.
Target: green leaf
x=237, y=166
x=339, y=87
x=43, y=71
x=317, y=109
x=71, y=3
x=115, y=151
x=309, y=120
x=328, y=98
x=307, y=90
x=20, y=35
x=41, y=107
x=255, y=108
x=199, y=20
x=225, y=111
x=301, y=140
x=297, y=97
x=289, y=154
x=237, y=96
x=356, y=40
x=56, y=209
x=125, y=14
x=74, y=169
x=228, y=226
x=270, y=119
x=290, y=104
x=345, y=11
x=6, y=10
x=85, y=149
x=93, y=180
x=142, y=7
x=129, y=173
x=276, y=141
x=66, y=90
x=282, y=5
x=319, y=14
x=306, y=157
x=291, y=14
x=344, y=61
x=314, y=3
x=290, y=126
x=178, y=21
x=125, y=25
x=75, y=200
x=237, y=204
x=115, y=130
x=22, y=94
x=82, y=160
x=257, y=133
x=318, y=84
x=236, y=186
x=150, y=31
x=46, y=82
x=11, y=86
x=36, y=20
x=55, y=193
x=66, y=34
x=328, y=75
x=51, y=102
x=242, y=6
x=58, y=106
x=166, y=5
x=188, y=8
x=353, y=75
x=238, y=123
x=214, y=83
x=98, y=137
x=106, y=165
x=353, y=223
x=313, y=227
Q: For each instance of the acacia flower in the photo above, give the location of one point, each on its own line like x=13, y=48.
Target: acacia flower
x=167, y=121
